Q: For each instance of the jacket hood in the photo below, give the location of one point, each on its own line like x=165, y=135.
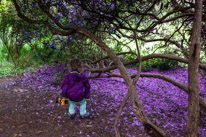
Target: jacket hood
x=76, y=76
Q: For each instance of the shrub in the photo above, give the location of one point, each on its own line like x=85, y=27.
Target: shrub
x=146, y=66
x=58, y=79
x=164, y=64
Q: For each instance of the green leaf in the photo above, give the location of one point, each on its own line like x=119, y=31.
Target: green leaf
x=89, y=125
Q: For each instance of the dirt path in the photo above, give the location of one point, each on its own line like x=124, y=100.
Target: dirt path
x=28, y=113
x=21, y=114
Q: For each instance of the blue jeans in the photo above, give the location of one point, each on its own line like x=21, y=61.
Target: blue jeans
x=83, y=105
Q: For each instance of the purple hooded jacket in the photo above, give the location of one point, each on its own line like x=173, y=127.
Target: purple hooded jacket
x=76, y=87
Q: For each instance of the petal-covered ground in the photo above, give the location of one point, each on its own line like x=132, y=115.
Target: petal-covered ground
x=28, y=105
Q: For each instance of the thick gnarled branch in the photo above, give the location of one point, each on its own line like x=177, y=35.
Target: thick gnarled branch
x=163, y=77
x=171, y=57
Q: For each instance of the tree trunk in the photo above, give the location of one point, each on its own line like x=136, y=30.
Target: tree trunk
x=193, y=83
x=149, y=127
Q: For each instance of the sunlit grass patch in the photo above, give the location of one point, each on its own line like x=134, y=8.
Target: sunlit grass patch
x=7, y=68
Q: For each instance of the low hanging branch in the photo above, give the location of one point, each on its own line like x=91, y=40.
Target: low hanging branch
x=171, y=57
x=163, y=77
x=140, y=61
x=149, y=127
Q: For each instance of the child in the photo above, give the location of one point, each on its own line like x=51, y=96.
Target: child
x=76, y=88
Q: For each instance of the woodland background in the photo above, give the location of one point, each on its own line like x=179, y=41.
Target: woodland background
x=124, y=41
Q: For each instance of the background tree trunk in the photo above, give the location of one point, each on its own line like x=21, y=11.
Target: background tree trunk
x=193, y=83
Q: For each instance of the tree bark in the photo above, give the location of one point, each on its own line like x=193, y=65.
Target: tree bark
x=193, y=83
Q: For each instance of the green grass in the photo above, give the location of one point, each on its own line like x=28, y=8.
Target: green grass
x=7, y=68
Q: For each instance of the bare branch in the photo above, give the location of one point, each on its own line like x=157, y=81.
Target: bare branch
x=140, y=61
x=171, y=57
